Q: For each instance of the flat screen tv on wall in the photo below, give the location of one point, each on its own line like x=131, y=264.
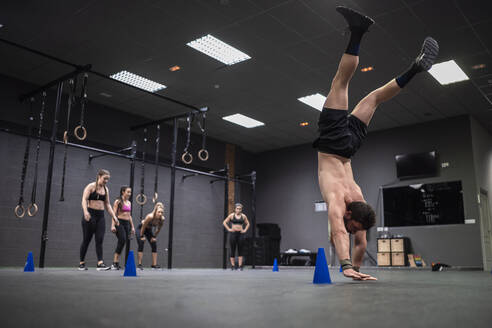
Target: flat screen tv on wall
x=424, y=204
x=418, y=165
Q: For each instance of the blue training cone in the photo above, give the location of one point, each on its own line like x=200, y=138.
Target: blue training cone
x=130, y=268
x=321, y=272
x=341, y=269
x=275, y=265
x=29, y=267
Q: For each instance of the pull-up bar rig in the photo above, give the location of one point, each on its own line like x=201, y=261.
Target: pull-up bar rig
x=53, y=141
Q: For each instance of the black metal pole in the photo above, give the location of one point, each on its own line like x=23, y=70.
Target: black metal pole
x=91, y=157
x=133, y=154
x=49, y=176
x=253, y=215
x=226, y=213
x=171, y=199
x=169, y=118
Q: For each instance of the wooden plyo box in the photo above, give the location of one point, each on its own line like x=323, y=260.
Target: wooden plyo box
x=384, y=245
x=398, y=259
x=397, y=245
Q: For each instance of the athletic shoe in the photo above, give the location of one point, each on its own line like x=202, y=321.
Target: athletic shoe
x=304, y=251
x=355, y=19
x=115, y=266
x=233, y=268
x=241, y=268
x=155, y=267
x=102, y=267
x=82, y=267
x=428, y=54
x=291, y=251
x=140, y=266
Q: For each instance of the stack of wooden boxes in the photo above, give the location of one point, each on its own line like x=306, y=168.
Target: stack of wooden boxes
x=392, y=251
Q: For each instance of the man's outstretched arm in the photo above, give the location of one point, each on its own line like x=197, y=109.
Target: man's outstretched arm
x=360, y=245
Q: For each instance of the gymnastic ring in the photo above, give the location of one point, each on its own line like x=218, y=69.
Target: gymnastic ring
x=65, y=137
x=76, y=132
x=201, y=156
x=185, y=156
x=32, y=213
x=19, y=214
x=154, y=199
x=141, y=199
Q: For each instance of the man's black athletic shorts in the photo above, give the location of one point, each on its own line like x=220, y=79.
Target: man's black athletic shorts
x=339, y=133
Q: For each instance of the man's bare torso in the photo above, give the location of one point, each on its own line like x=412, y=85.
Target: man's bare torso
x=337, y=180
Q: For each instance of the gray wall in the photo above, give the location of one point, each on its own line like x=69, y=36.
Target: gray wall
x=287, y=189
x=199, y=205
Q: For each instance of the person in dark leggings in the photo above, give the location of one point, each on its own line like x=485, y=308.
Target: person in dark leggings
x=94, y=200
x=239, y=225
x=152, y=222
x=123, y=208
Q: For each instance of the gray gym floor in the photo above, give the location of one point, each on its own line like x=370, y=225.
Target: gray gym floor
x=252, y=298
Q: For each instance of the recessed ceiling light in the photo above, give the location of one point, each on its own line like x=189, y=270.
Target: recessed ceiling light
x=1, y=25
x=104, y=94
x=304, y=123
x=316, y=101
x=219, y=50
x=479, y=66
x=367, y=69
x=242, y=120
x=138, y=81
x=174, y=68
x=448, y=72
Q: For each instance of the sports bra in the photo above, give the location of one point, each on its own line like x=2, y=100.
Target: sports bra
x=235, y=220
x=97, y=196
x=126, y=208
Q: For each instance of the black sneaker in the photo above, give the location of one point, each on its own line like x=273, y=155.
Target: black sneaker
x=233, y=268
x=241, y=268
x=115, y=266
x=355, y=19
x=140, y=266
x=428, y=54
x=102, y=267
x=155, y=267
x=82, y=267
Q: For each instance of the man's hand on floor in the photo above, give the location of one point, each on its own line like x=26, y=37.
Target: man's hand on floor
x=351, y=273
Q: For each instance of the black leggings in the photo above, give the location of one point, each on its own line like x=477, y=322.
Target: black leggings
x=148, y=234
x=97, y=226
x=236, y=240
x=123, y=234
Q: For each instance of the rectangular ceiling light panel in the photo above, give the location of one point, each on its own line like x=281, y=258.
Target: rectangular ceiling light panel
x=316, y=101
x=242, y=120
x=138, y=81
x=448, y=72
x=219, y=50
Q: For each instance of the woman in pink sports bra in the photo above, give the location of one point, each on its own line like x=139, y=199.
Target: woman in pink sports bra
x=122, y=207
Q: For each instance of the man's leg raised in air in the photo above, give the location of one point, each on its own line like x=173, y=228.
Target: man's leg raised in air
x=366, y=107
x=358, y=24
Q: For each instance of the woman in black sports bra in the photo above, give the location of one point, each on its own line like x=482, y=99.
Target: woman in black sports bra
x=239, y=225
x=94, y=200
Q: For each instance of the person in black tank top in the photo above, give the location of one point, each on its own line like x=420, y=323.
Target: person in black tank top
x=94, y=200
x=237, y=224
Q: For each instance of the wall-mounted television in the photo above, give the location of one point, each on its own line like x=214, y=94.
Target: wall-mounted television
x=424, y=204
x=418, y=165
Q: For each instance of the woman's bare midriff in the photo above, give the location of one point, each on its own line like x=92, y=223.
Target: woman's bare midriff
x=96, y=204
x=124, y=216
x=237, y=227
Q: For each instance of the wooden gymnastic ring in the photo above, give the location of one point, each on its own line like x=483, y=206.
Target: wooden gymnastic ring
x=154, y=199
x=141, y=199
x=185, y=156
x=20, y=214
x=65, y=137
x=76, y=132
x=32, y=213
x=201, y=156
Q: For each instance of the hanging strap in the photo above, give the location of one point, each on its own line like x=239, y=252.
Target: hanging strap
x=187, y=158
x=33, y=207
x=203, y=152
x=20, y=210
x=141, y=198
x=71, y=100
x=156, y=180
x=80, y=132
